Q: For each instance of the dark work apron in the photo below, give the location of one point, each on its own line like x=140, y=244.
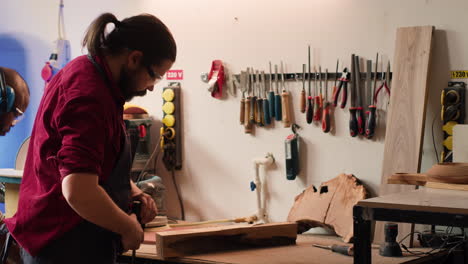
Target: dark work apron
x=87, y=242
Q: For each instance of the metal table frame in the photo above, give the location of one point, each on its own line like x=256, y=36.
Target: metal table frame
x=363, y=217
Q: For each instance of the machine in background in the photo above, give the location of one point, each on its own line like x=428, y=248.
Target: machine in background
x=138, y=124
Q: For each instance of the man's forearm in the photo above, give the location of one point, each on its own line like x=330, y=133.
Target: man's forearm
x=90, y=201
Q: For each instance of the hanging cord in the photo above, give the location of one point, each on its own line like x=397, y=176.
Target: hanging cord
x=433, y=139
x=61, y=22
x=176, y=186
x=155, y=152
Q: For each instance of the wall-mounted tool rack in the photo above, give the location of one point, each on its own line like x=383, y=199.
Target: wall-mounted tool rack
x=299, y=76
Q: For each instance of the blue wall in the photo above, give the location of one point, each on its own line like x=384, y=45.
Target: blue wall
x=25, y=54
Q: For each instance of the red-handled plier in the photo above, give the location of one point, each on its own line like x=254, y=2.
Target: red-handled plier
x=385, y=84
x=343, y=84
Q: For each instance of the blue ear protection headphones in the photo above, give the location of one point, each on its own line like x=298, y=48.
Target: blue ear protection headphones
x=7, y=98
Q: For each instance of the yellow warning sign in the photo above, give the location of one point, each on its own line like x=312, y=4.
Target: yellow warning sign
x=459, y=74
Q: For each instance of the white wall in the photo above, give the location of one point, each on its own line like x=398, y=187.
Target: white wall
x=217, y=154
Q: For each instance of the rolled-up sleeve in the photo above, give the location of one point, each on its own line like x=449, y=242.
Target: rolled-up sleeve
x=81, y=127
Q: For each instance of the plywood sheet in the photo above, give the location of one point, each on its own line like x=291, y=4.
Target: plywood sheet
x=406, y=116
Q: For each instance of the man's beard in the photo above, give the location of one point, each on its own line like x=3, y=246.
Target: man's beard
x=126, y=84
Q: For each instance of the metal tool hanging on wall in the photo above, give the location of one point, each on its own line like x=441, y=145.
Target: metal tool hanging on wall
x=247, y=123
x=285, y=101
x=326, y=108
x=266, y=102
x=278, y=107
x=302, y=99
x=310, y=104
x=262, y=103
x=371, y=112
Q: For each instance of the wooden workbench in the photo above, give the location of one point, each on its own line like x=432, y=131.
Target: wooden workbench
x=301, y=253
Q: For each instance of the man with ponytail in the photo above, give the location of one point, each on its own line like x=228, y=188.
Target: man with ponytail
x=76, y=192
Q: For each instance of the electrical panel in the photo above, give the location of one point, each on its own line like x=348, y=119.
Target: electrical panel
x=452, y=113
x=171, y=143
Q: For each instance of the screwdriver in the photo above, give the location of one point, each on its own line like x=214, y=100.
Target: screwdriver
x=344, y=250
x=310, y=105
x=317, y=110
x=253, y=99
x=370, y=122
x=271, y=96
x=326, y=108
x=336, y=77
x=278, y=112
x=266, y=103
x=285, y=101
x=303, y=97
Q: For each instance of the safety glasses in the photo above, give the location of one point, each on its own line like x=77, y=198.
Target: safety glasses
x=19, y=115
x=155, y=76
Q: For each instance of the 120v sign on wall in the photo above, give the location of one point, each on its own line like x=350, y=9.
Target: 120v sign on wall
x=175, y=75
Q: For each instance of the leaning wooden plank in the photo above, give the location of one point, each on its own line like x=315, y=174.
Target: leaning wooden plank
x=210, y=239
x=406, y=116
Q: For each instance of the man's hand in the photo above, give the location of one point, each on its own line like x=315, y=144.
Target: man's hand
x=134, y=236
x=148, y=207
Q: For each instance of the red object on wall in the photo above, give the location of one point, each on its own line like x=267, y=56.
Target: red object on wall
x=217, y=74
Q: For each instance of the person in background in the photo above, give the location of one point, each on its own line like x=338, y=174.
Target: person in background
x=14, y=99
x=76, y=192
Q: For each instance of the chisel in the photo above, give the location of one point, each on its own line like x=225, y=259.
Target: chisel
x=253, y=101
x=242, y=105
x=247, y=124
x=310, y=104
x=259, y=109
x=344, y=250
x=266, y=102
x=303, y=95
x=278, y=110
x=271, y=96
x=285, y=101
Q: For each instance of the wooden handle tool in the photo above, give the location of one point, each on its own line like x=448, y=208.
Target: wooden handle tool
x=285, y=101
x=302, y=99
x=247, y=124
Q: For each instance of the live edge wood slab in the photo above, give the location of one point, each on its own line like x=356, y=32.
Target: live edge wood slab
x=330, y=205
x=177, y=243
